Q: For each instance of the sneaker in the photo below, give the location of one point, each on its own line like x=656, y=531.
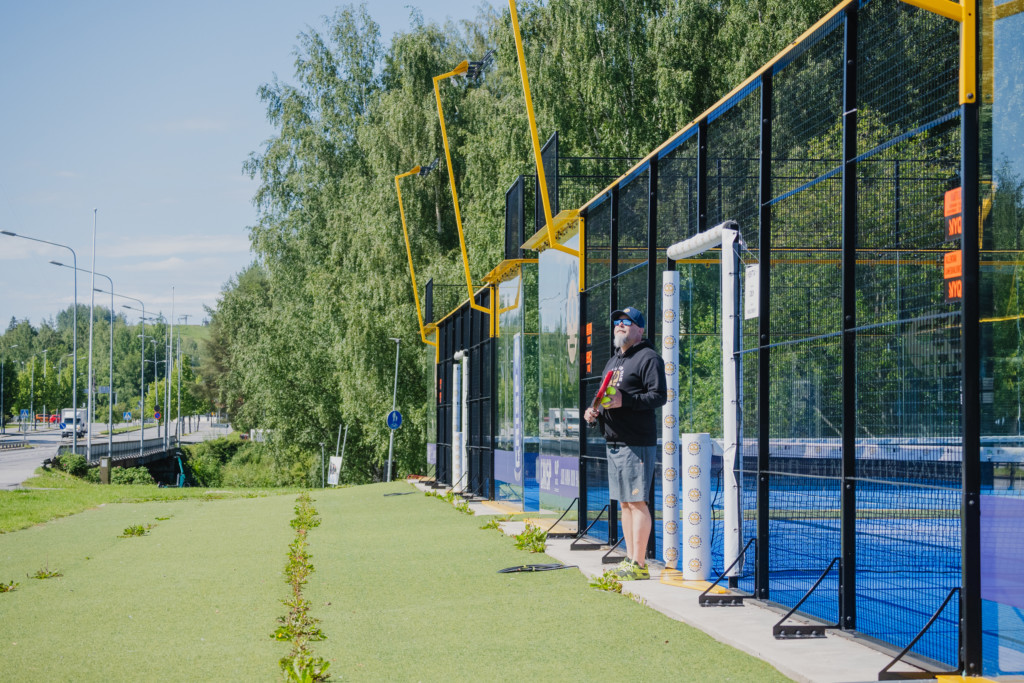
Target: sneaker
x=621, y=570
x=640, y=573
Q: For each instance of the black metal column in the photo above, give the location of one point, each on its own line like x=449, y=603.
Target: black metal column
x=970, y=513
x=493, y=352
x=653, y=290
x=584, y=521
x=764, y=240
x=848, y=497
x=613, y=508
x=702, y=175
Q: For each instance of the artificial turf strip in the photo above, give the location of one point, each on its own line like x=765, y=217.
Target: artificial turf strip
x=414, y=594
x=406, y=588
x=195, y=599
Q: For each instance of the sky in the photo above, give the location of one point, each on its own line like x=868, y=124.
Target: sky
x=140, y=115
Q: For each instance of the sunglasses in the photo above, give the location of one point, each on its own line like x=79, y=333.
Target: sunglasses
x=624, y=321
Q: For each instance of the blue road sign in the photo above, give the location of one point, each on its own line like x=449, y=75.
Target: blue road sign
x=63, y=425
x=24, y=413
x=394, y=419
x=156, y=416
x=126, y=416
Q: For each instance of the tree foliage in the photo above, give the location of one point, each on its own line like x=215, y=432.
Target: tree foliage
x=300, y=340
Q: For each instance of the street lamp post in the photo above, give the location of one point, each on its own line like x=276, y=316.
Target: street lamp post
x=142, y=371
x=110, y=389
x=74, y=330
x=394, y=403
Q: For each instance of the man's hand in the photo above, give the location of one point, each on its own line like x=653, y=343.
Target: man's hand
x=590, y=415
x=612, y=399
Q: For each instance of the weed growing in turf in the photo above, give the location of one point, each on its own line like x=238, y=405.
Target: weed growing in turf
x=298, y=626
x=136, y=530
x=532, y=539
x=46, y=573
x=606, y=583
x=7, y=587
x=495, y=522
x=164, y=519
x=463, y=506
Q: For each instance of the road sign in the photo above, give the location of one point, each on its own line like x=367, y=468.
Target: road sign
x=156, y=416
x=103, y=390
x=24, y=413
x=394, y=419
x=62, y=425
x=126, y=416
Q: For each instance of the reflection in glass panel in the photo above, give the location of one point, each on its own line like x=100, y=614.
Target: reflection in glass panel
x=1002, y=339
x=559, y=355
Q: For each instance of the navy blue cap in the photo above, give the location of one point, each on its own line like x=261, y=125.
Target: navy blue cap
x=633, y=314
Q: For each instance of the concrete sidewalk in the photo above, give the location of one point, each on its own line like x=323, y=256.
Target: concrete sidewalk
x=838, y=658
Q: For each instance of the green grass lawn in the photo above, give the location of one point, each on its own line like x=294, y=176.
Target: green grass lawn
x=406, y=588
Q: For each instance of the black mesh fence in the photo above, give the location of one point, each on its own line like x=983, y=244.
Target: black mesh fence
x=834, y=161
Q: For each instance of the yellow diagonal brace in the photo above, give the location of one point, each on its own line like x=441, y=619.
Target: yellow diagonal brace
x=408, y=251
x=541, y=177
x=460, y=69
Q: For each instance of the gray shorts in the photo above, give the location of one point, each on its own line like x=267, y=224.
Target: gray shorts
x=630, y=472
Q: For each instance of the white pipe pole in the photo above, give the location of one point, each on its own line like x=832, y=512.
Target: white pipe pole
x=465, y=418
x=92, y=305
x=670, y=420
x=733, y=536
x=456, y=393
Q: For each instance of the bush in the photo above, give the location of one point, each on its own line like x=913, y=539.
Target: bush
x=74, y=464
x=130, y=475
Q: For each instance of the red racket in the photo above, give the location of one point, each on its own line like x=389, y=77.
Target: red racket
x=600, y=392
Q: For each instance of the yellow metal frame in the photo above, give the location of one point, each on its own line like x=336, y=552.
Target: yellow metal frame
x=966, y=13
x=541, y=178
x=503, y=271
x=412, y=271
x=967, y=67
x=462, y=68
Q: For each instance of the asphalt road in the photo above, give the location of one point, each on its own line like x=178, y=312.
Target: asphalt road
x=17, y=465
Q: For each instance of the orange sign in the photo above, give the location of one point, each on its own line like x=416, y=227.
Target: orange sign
x=952, y=271
x=953, y=214
x=952, y=265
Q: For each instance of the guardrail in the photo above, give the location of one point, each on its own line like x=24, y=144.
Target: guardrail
x=121, y=449
x=12, y=445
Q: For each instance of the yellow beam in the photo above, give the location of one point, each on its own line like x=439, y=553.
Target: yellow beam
x=1008, y=9
x=408, y=251
x=944, y=8
x=460, y=69
x=541, y=177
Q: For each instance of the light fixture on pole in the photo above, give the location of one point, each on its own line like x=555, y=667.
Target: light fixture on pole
x=74, y=330
x=424, y=171
x=462, y=68
x=394, y=403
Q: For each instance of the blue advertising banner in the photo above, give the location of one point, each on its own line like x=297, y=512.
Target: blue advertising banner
x=559, y=475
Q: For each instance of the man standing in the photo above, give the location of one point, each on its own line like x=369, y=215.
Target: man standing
x=630, y=427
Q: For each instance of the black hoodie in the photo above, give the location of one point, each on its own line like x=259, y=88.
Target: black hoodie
x=640, y=379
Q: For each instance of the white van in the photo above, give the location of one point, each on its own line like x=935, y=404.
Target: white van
x=72, y=422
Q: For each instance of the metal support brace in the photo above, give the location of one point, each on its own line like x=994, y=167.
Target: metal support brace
x=799, y=631
x=707, y=599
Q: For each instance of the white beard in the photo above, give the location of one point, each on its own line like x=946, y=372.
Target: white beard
x=621, y=340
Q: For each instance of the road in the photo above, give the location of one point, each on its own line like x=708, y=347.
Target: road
x=17, y=465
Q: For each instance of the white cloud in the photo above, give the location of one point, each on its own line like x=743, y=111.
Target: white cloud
x=185, y=245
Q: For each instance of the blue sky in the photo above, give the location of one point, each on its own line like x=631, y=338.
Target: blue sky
x=144, y=111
